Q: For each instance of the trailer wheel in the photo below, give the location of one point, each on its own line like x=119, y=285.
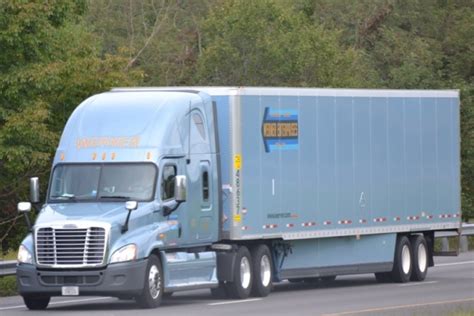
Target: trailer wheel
x=402, y=265
x=243, y=275
x=36, y=303
x=420, y=257
x=152, y=292
x=262, y=268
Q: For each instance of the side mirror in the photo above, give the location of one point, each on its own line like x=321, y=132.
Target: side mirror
x=180, y=188
x=34, y=190
x=131, y=205
x=24, y=207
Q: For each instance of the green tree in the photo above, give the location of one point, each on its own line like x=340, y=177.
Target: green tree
x=161, y=37
x=264, y=43
x=49, y=63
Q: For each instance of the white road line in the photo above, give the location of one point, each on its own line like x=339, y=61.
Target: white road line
x=58, y=303
x=418, y=283
x=235, y=302
x=453, y=264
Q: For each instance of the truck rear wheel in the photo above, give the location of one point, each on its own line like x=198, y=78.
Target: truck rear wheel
x=152, y=292
x=36, y=303
x=243, y=275
x=220, y=292
x=383, y=277
x=420, y=257
x=262, y=268
x=402, y=262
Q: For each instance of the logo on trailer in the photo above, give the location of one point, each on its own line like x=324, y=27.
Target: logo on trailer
x=280, y=129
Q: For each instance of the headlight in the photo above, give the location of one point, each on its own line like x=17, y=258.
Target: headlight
x=24, y=256
x=126, y=253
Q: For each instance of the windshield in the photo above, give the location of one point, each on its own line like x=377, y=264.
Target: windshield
x=104, y=182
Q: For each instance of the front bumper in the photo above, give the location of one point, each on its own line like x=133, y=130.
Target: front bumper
x=119, y=279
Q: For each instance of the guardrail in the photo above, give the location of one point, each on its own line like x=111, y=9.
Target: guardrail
x=9, y=267
x=467, y=230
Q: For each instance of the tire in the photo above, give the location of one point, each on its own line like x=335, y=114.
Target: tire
x=262, y=271
x=221, y=292
x=36, y=303
x=402, y=262
x=420, y=257
x=241, y=287
x=383, y=277
x=152, y=293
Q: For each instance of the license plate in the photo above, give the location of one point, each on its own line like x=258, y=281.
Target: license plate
x=70, y=290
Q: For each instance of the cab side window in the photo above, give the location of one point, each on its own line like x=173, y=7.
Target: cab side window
x=167, y=182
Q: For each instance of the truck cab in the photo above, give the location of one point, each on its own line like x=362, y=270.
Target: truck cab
x=130, y=207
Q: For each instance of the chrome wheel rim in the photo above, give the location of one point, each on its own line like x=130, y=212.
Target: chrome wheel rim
x=422, y=258
x=406, y=259
x=154, y=281
x=245, y=272
x=265, y=270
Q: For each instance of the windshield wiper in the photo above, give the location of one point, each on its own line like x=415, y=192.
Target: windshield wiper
x=69, y=197
x=118, y=197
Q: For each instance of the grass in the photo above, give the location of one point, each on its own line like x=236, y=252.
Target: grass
x=9, y=255
x=8, y=283
x=8, y=286
x=462, y=313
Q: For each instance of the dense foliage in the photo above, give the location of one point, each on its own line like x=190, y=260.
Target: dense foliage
x=49, y=62
x=53, y=54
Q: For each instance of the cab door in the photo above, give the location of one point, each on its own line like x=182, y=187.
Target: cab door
x=177, y=219
x=201, y=181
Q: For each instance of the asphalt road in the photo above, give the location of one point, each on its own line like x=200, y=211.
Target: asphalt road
x=448, y=288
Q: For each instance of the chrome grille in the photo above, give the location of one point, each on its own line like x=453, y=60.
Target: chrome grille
x=70, y=247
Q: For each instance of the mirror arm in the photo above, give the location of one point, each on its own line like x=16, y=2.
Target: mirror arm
x=167, y=209
x=125, y=226
x=28, y=222
x=130, y=206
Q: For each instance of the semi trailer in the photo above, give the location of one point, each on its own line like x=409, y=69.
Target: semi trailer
x=159, y=190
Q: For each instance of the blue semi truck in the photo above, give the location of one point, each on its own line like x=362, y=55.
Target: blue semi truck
x=159, y=190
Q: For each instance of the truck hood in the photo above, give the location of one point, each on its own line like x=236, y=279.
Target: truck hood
x=113, y=213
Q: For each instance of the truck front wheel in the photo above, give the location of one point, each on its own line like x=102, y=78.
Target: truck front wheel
x=36, y=303
x=243, y=275
x=152, y=292
x=262, y=268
